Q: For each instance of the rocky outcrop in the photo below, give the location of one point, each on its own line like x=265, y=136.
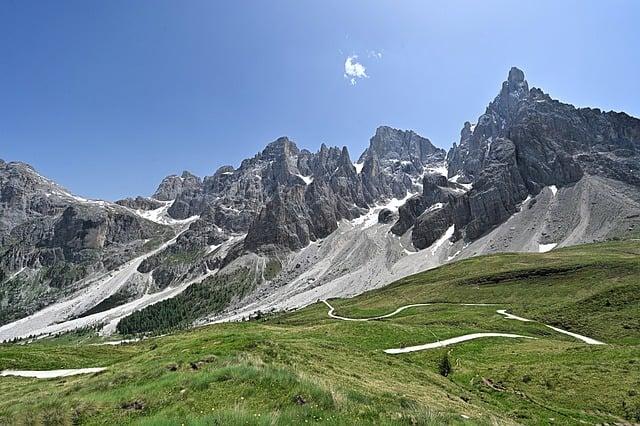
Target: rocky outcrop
x=387, y=216
x=54, y=240
x=526, y=141
x=401, y=145
x=172, y=186
x=286, y=197
x=140, y=203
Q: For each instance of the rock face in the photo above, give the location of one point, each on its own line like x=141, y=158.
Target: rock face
x=524, y=142
x=140, y=203
x=173, y=185
x=50, y=240
x=285, y=197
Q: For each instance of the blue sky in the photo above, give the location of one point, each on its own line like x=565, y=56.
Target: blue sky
x=108, y=97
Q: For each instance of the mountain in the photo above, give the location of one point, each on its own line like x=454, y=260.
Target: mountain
x=289, y=226
x=54, y=244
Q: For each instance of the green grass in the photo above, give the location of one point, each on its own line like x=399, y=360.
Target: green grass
x=303, y=367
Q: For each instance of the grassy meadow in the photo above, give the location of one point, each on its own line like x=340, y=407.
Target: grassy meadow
x=304, y=367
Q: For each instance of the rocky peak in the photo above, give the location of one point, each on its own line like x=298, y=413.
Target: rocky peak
x=21, y=180
x=515, y=86
x=516, y=78
x=514, y=91
x=281, y=148
x=469, y=157
x=224, y=170
x=173, y=185
x=394, y=144
x=466, y=131
x=188, y=175
x=345, y=159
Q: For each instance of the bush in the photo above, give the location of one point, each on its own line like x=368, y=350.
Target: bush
x=444, y=366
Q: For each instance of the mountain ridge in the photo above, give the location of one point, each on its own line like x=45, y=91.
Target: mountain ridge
x=289, y=225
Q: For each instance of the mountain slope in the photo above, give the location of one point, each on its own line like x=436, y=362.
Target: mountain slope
x=54, y=244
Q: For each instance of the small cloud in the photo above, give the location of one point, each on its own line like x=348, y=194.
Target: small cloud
x=374, y=54
x=354, y=70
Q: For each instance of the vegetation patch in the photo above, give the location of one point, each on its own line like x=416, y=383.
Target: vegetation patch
x=210, y=296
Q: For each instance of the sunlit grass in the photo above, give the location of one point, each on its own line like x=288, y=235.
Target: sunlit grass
x=304, y=367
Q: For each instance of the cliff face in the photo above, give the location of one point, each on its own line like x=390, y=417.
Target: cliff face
x=51, y=241
x=526, y=141
x=286, y=197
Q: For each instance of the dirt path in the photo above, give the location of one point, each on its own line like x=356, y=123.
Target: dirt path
x=587, y=340
x=464, y=338
x=447, y=342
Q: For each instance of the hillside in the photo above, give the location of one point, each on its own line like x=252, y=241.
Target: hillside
x=307, y=367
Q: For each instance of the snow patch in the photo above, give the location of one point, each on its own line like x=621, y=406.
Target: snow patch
x=15, y=274
x=524, y=203
x=543, y=248
x=50, y=374
x=554, y=190
x=450, y=258
x=306, y=179
x=445, y=237
x=466, y=186
x=440, y=169
x=371, y=218
x=436, y=206
x=212, y=248
x=358, y=167
x=161, y=215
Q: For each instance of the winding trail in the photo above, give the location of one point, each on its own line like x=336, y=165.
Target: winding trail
x=447, y=342
x=397, y=311
x=463, y=338
x=587, y=340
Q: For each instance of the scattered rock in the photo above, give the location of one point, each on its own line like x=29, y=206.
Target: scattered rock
x=135, y=405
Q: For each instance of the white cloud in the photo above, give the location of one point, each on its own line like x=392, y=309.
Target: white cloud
x=354, y=70
x=374, y=54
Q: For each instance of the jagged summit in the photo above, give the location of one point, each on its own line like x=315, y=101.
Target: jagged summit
x=516, y=76
x=404, y=145
x=173, y=185
x=282, y=146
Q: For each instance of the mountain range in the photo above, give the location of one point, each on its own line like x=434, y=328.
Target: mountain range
x=288, y=227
